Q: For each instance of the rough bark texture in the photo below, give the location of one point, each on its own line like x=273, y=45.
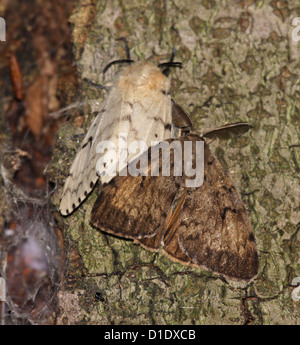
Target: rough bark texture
x=239, y=64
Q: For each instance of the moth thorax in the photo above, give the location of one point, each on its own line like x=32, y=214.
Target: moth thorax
x=144, y=76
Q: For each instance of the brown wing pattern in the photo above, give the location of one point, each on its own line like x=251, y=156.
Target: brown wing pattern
x=208, y=226
x=215, y=231
x=136, y=206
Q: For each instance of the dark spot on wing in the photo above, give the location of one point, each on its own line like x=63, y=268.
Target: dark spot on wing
x=226, y=209
x=229, y=190
x=111, y=182
x=88, y=142
x=126, y=118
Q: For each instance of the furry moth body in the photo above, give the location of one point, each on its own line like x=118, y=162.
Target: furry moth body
x=138, y=104
x=205, y=226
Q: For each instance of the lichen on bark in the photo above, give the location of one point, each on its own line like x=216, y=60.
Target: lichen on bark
x=239, y=64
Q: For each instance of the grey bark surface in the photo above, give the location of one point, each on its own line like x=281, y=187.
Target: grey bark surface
x=239, y=64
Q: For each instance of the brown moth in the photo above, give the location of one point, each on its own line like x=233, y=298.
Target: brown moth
x=205, y=226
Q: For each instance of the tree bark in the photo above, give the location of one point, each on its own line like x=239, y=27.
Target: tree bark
x=240, y=63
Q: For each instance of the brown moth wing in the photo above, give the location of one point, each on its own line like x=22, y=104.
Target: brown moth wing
x=180, y=118
x=215, y=231
x=226, y=131
x=208, y=227
x=153, y=243
x=136, y=207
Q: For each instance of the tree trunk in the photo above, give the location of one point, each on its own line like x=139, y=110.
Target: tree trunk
x=240, y=63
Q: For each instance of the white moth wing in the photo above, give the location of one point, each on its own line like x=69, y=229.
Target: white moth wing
x=139, y=105
x=141, y=121
x=83, y=176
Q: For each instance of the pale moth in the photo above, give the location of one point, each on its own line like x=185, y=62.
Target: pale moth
x=138, y=105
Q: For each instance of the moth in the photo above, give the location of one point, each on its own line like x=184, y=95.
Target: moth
x=205, y=226
x=137, y=108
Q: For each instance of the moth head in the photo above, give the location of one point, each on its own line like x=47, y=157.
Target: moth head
x=144, y=76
